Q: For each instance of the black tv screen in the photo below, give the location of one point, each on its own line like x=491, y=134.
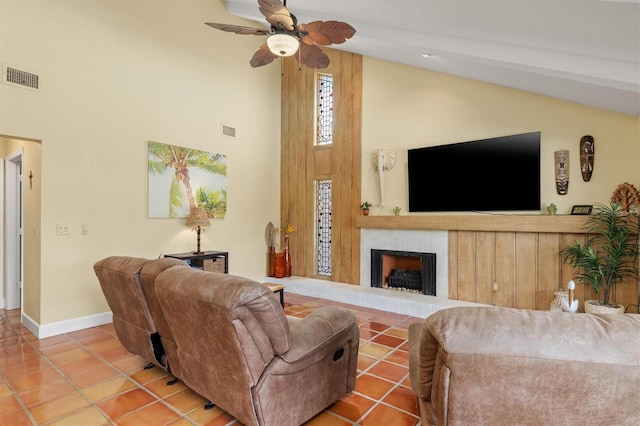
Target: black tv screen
x=497, y=174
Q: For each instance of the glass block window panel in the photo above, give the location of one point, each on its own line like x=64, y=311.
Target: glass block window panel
x=324, y=109
x=323, y=228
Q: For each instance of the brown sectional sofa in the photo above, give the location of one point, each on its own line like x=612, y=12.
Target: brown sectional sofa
x=228, y=339
x=504, y=366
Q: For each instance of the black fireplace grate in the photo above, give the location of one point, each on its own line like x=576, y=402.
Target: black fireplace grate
x=406, y=278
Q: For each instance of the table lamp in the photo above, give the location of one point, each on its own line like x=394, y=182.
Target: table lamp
x=197, y=219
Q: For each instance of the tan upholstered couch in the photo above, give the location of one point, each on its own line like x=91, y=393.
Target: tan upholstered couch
x=228, y=339
x=503, y=366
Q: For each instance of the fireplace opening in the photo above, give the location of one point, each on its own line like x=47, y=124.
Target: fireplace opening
x=404, y=271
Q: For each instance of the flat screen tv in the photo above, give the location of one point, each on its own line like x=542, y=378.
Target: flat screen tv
x=497, y=174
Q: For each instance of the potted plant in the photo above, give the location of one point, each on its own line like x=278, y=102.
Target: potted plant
x=365, y=208
x=608, y=256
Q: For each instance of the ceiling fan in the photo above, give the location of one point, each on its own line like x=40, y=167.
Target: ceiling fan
x=286, y=36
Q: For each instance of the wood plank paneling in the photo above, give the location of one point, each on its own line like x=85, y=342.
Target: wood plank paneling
x=485, y=266
x=566, y=271
x=453, y=266
x=505, y=269
x=526, y=270
x=303, y=163
x=548, y=269
x=466, y=266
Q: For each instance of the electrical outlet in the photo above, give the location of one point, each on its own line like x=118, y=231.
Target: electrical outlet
x=62, y=229
x=85, y=229
x=495, y=286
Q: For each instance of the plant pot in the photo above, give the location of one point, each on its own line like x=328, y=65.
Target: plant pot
x=594, y=307
x=365, y=212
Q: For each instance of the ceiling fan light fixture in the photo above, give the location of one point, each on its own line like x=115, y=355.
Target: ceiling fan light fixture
x=283, y=44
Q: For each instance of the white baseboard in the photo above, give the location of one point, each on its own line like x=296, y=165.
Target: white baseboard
x=67, y=326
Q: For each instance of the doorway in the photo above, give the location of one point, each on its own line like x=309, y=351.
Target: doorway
x=14, y=230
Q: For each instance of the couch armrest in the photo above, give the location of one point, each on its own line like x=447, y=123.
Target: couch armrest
x=422, y=359
x=324, y=327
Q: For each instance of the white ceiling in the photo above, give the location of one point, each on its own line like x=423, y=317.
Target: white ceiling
x=585, y=51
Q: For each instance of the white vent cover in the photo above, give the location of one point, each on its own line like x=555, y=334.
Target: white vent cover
x=228, y=131
x=20, y=78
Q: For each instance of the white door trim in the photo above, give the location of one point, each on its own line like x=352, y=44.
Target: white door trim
x=14, y=223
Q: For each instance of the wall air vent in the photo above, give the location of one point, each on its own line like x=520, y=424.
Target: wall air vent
x=228, y=131
x=20, y=78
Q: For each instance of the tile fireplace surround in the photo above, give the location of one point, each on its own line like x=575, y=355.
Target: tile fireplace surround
x=403, y=240
x=418, y=305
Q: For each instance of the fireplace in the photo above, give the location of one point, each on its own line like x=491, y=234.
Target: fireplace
x=404, y=271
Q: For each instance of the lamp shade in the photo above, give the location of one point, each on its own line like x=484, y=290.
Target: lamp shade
x=198, y=217
x=283, y=44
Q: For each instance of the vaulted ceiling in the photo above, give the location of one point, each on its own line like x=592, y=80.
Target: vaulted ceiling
x=585, y=51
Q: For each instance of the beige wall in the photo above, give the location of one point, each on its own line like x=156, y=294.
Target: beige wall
x=405, y=107
x=115, y=74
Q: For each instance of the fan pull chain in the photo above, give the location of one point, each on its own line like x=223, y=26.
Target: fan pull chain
x=281, y=66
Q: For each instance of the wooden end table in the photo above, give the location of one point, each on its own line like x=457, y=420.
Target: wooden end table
x=277, y=288
x=212, y=261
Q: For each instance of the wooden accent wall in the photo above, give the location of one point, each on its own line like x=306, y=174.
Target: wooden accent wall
x=302, y=163
x=518, y=253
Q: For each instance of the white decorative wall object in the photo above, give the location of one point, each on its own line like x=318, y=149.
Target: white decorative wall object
x=382, y=160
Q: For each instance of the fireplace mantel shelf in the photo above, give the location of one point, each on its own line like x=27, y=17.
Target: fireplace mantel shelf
x=478, y=222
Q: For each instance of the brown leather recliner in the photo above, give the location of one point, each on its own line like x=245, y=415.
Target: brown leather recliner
x=119, y=278
x=238, y=349
x=148, y=274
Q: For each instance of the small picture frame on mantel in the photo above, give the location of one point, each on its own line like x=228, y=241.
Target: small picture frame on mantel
x=582, y=209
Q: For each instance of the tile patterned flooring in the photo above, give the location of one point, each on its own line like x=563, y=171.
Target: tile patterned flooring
x=87, y=378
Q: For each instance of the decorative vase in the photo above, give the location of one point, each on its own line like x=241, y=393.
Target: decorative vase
x=287, y=257
x=279, y=265
x=556, y=304
x=271, y=262
x=593, y=307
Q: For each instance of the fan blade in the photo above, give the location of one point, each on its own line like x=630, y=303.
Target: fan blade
x=312, y=56
x=276, y=13
x=263, y=56
x=325, y=33
x=238, y=29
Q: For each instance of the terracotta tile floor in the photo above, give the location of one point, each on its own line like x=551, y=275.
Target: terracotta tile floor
x=86, y=378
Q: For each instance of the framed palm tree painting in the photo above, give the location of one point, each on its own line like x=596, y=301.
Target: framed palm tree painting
x=182, y=178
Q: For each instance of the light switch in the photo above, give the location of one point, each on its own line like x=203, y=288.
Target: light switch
x=85, y=229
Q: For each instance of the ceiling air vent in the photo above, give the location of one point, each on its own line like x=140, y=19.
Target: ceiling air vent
x=20, y=78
